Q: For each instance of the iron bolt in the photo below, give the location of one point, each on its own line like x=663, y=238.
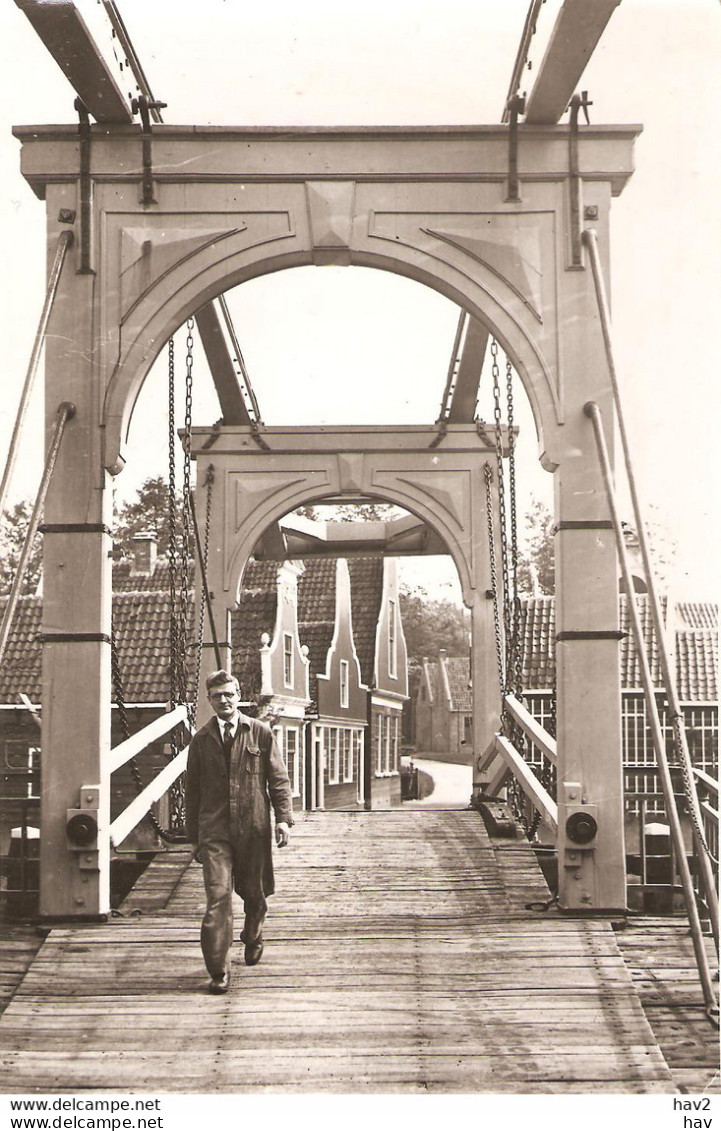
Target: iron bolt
x=590, y=212
x=66, y=216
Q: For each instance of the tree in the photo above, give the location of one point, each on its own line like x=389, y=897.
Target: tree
x=13, y=529
x=147, y=512
x=431, y=624
x=535, y=563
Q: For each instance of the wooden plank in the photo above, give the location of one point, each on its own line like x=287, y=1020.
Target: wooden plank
x=123, y=825
x=465, y=393
x=532, y=729
x=528, y=781
x=222, y=369
x=578, y=28
x=393, y=962
x=66, y=36
x=137, y=742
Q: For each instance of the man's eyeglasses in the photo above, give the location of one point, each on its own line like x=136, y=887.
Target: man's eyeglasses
x=222, y=694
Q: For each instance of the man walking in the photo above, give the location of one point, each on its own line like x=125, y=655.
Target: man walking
x=235, y=773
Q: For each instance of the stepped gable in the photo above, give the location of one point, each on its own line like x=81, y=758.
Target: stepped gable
x=20, y=669
x=316, y=614
x=366, y=587
x=696, y=647
x=458, y=670
x=255, y=614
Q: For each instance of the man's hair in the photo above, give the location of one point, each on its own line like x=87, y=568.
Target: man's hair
x=215, y=679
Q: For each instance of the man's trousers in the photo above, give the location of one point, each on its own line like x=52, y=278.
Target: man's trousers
x=216, y=933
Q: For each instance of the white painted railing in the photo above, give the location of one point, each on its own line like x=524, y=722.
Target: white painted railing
x=126, y=821
x=501, y=759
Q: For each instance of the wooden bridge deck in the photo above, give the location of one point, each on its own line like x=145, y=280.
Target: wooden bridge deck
x=399, y=958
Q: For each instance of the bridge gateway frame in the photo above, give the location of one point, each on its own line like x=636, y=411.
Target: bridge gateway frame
x=231, y=204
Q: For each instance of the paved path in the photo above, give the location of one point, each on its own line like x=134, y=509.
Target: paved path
x=452, y=785
x=399, y=958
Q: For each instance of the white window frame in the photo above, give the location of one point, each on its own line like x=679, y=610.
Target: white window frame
x=333, y=757
x=295, y=776
x=347, y=756
x=344, y=683
x=288, y=660
x=388, y=744
x=379, y=744
x=392, y=641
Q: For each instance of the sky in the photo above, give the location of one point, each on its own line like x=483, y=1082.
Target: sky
x=321, y=343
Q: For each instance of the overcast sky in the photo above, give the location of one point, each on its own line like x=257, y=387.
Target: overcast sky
x=321, y=343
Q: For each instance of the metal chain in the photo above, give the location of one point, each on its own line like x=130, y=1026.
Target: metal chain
x=515, y=680
x=119, y=695
x=678, y=728
x=186, y=531
x=497, y=417
x=172, y=529
x=209, y=480
x=488, y=476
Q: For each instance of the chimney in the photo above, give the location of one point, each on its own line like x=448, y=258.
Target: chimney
x=145, y=554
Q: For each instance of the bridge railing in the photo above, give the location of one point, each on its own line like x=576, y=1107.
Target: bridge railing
x=533, y=768
x=125, y=822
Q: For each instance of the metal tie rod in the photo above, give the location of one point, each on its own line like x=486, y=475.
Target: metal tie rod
x=65, y=412
x=64, y=242
x=593, y=411
x=590, y=239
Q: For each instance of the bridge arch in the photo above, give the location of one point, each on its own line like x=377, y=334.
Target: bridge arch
x=175, y=296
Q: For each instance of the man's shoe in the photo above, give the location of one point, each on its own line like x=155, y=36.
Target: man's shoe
x=253, y=951
x=219, y=984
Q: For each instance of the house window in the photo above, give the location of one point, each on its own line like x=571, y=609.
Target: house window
x=344, y=678
x=379, y=744
x=357, y=748
x=392, y=649
x=291, y=759
x=394, y=748
x=332, y=749
x=20, y=771
x=287, y=659
x=387, y=751
x=347, y=755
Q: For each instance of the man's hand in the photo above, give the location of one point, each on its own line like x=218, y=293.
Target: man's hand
x=282, y=834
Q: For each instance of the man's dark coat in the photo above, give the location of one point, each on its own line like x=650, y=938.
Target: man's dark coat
x=233, y=803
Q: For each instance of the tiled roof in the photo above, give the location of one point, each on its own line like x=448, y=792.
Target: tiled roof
x=696, y=614
x=316, y=614
x=255, y=614
x=141, y=622
x=366, y=586
x=124, y=581
x=458, y=670
x=696, y=649
x=20, y=669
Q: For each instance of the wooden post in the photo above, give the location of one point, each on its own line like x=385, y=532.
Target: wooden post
x=77, y=591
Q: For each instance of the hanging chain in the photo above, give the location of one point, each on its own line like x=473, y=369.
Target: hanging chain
x=488, y=476
x=186, y=532
x=119, y=694
x=678, y=728
x=209, y=480
x=172, y=530
x=515, y=660
x=497, y=417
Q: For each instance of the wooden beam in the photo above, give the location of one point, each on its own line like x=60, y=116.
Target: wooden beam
x=578, y=28
x=468, y=378
x=67, y=37
x=545, y=742
x=124, y=824
x=529, y=783
x=126, y=750
x=221, y=365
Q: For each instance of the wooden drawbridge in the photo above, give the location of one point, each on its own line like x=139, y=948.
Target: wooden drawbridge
x=400, y=957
